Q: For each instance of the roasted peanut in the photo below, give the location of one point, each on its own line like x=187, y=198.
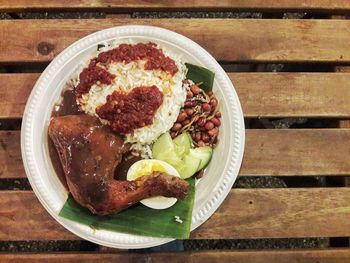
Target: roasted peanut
x=216, y=121
x=195, y=89
x=198, y=136
x=200, y=174
x=189, y=112
x=206, y=107
x=213, y=102
x=189, y=94
x=185, y=122
x=195, y=118
x=213, y=132
x=182, y=116
x=218, y=114
x=193, y=135
x=209, y=125
x=201, y=122
x=205, y=137
x=189, y=104
x=177, y=126
x=201, y=143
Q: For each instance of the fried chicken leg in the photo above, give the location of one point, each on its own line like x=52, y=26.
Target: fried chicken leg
x=89, y=153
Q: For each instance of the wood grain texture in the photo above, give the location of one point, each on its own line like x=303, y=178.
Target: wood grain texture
x=245, y=213
x=261, y=94
x=11, y=165
x=289, y=152
x=293, y=94
x=130, y=5
x=238, y=40
x=296, y=152
x=251, y=256
x=14, y=92
x=343, y=123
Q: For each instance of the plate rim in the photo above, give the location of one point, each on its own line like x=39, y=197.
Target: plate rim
x=236, y=151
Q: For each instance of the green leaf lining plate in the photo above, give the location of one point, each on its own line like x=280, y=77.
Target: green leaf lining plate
x=139, y=219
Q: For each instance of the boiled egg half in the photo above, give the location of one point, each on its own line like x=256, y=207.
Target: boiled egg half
x=147, y=167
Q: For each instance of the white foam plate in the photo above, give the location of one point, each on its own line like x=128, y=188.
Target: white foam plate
x=210, y=191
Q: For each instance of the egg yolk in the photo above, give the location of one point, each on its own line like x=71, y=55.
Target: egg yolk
x=147, y=168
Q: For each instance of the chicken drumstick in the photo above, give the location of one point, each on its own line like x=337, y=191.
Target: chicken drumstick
x=89, y=153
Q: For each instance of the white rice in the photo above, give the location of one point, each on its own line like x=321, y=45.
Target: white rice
x=131, y=75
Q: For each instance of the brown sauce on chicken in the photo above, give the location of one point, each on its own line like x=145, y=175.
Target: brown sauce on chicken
x=88, y=157
x=68, y=106
x=126, y=163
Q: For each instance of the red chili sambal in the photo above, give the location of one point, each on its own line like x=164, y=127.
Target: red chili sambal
x=90, y=75
x=129, y=111
x=127, y=52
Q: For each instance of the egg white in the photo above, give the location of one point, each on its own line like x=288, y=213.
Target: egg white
x=156, y=202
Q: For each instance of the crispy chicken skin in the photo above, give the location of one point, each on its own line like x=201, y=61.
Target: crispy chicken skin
x=89, y=153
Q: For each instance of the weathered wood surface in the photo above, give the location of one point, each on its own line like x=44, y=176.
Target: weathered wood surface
x=251, y=256
x=237, y=40
x=293, y=94
x=245, y=213
x=11, y=165
x=130, y=5
x=296, y=152
x=14, y=92
x=261, y=94
x=272, y=152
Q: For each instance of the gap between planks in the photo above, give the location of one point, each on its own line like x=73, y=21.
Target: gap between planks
x=331, y=6
x=245, y=213
x=261, y=94
x=268, y=152
x=279, y=40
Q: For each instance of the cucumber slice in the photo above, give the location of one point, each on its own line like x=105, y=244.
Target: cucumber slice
x=170, y=158
x=180, y=151
x=188, y=167
x=183, y=144
x=164, y=144
x=202, y=153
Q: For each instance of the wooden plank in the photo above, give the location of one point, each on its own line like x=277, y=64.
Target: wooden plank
x=277, y=213
x=14, y=92
x=293, y=94
x=11, y=165
x=251, y=256
x=24, y=213
x=241, y=40
x=275, y=152
x=344, y=123
x=132, y=5
x=261, y=94
x=296, y=152
x=245, y=213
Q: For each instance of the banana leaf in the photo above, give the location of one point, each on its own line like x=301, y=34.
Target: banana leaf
x=138, y=219
x=200, y=75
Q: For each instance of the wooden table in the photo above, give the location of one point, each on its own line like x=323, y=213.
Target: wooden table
x=250, y=213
